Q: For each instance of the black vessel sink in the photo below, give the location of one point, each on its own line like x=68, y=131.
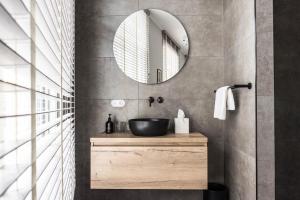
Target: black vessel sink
x=149, y=126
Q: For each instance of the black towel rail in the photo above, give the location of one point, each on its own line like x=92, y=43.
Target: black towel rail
x=249, y=86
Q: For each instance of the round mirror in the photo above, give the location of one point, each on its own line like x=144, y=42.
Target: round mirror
x=151, y=46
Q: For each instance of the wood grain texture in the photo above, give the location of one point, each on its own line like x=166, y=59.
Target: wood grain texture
x=148, y=167
x=128, y=139
x=125, y=161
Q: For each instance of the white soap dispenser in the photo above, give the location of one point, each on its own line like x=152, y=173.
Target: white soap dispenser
x=182, y=124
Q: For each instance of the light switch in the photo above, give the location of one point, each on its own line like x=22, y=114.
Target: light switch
x=117, y=103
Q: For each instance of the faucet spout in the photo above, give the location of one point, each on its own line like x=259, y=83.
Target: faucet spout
x=150, y=100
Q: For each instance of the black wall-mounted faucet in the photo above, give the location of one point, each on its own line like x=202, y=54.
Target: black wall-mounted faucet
x=150, y=100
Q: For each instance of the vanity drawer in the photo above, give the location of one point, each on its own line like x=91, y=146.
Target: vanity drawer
x=149, y=167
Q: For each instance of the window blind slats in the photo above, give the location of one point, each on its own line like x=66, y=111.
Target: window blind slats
x=16, y=34
x=53, y=13
x=13, y=30
x=46, y=158
x=57, y=193
x=15, y=68
x=53, y=186
x=37, y=36
x=11, y=145
x=47, y=177
x=46, y=31
x=20, y=189
x=42, y=147
x=12, y=87
x=11, y=171
x=10, y=57
x=46, y=67
x=11, y=174
x=49, y=20
x=45, y=47
x=15, y=7
x=53, y=178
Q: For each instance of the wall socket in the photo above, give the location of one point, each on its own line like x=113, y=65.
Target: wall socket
x=117, y=103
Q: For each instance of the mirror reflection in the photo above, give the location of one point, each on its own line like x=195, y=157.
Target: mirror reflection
x=151, y=46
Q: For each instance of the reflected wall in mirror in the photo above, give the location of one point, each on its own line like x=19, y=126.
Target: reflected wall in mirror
x=151, y=46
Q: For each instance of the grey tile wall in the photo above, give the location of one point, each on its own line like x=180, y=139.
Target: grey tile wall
x=98, y=80
x=287, y=98
x=265, y=101
x=240, y=126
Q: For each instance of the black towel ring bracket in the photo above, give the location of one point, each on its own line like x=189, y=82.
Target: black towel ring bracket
x=249, y=86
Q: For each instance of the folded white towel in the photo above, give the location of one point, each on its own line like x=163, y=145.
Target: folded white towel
x=230, y=100
x=220, y=103
x=224, y=100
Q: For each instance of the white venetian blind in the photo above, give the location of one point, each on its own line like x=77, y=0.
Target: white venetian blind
x=37, y=99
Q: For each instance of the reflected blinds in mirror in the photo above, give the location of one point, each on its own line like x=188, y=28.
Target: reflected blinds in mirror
x=131, y=46
x=37, y=99
x=150, y=46
x=170, y=57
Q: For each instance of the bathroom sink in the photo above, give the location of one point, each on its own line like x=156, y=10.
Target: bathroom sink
x=149, y=126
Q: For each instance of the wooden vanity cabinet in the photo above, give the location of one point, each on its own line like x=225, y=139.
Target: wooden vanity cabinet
x=124, y=161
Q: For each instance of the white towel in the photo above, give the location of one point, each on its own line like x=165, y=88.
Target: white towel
x=224, y=101
x=230, y=100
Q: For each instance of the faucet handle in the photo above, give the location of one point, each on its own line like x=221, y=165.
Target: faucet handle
x=160, y=99
x=150, y=100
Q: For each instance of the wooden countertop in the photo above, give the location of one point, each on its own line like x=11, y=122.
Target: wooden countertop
x=128, y=139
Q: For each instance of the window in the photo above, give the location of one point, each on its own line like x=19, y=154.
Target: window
x=37, y=102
